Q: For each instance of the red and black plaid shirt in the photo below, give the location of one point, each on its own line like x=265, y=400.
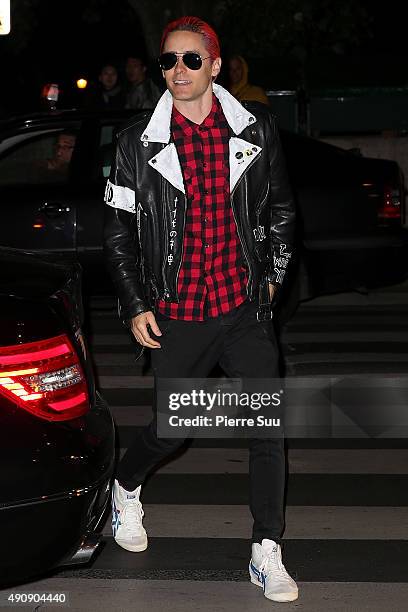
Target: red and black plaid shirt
x=212, y=278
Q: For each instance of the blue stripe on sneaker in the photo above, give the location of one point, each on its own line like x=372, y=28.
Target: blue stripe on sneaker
x=255, y=570
x=260, y=575
x=115, y=517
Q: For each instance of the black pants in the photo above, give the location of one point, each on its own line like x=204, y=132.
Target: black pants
x=243, y=348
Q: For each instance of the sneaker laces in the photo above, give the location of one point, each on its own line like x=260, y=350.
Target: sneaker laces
x=273, y=562
x=132, y=515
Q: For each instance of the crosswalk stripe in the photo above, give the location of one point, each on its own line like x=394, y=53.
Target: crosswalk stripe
x=351, y=560
x=126, y=382
x=128, y=433
x=388, y=490
x=301, y=461
x=301, y=381
x=118, y=592
x=103, y=360
x=131, y=415
x=302, y=522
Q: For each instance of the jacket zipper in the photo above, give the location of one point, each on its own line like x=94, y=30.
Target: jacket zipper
x=261, y=205
x=139, y=232
x=260, y=208
x=243, y=246
x=139, y=211
x=243, y=175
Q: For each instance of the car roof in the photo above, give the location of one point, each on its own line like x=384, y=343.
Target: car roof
x=19, y=123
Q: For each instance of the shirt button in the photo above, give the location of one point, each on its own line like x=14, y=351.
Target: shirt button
x=205, y=220
x=206, y=246
x=206, y=191
x=204, y=164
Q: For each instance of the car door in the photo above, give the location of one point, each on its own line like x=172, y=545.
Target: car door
x=90, y=203
x=36, y=189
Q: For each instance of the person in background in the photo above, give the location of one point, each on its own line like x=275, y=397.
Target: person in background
x=108, y=93
x=55, y=169
x=63, y=152
x=142, y=92
x=239, y=86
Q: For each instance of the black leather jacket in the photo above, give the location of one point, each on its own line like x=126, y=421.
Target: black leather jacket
x=146, y=204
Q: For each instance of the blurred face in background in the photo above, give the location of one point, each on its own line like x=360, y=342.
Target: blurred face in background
x=108, y=77
x=135, y=70
x=235, y=71
x=64, y=148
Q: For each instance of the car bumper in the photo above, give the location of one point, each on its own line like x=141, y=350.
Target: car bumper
x=54, y=523
x=42, y=534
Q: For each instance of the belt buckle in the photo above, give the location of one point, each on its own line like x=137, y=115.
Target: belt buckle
x=264, y=312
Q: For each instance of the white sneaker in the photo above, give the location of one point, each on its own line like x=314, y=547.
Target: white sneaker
x=127, y=515
x=267, y=571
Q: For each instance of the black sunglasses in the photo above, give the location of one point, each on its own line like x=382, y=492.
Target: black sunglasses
x=191, y=60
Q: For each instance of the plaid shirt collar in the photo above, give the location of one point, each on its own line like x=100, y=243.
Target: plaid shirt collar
x=167, y=163
x=189, y=127
x=159, y=130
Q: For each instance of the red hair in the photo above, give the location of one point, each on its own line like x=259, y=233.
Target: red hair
x=198, y=26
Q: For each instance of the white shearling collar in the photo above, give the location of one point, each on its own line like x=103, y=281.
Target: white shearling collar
x=158, y=128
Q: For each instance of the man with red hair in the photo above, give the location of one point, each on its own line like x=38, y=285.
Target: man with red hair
x=198, y=235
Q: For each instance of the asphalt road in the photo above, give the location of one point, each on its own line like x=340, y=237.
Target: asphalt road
x=346, y=538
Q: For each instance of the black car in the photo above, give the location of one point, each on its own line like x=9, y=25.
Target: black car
x=350, y=222
x=56, y=432
x=350, y=208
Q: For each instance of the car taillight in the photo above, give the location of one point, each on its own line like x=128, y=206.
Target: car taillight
x=45, y=378
x=390, y=206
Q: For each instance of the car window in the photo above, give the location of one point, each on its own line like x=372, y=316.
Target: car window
x=39, y=159
x=105, y=152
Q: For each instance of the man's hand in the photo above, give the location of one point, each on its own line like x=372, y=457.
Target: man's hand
x=139, y=329
x=271, y=291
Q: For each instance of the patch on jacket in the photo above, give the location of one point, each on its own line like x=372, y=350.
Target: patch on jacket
x=259, y=233
x=120, y=197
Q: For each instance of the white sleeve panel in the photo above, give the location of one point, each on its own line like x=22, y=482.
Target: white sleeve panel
x=120, y=197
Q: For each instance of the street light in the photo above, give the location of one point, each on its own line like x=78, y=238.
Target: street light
x=81, y=83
